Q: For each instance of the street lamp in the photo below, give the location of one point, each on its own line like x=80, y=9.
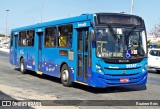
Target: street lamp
x=6, y=22
x=42, y=9
x=132, y=6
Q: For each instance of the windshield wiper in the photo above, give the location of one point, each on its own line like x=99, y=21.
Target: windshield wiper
x=112, y=31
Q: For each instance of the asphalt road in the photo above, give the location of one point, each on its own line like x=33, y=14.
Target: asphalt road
x=14, y=85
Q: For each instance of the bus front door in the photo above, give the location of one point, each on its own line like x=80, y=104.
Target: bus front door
x=82, y=55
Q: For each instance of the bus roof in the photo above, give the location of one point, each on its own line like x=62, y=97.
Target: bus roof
x=82, y=17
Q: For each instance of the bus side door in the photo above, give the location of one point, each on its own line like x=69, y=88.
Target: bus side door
x=40, y=44
x=13, y=49
x=82, y=54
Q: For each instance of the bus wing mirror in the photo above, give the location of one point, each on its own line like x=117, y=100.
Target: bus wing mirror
x=92, y=35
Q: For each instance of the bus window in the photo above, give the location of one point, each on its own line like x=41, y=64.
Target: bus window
x=11, y=40
x=22, y=38
x=30, y=38
x=65, y=36
x=80, y=45
x=50, y=37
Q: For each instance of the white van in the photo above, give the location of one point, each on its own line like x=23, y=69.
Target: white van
x=154, y=59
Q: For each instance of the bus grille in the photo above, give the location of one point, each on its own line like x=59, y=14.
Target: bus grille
x=122, y=74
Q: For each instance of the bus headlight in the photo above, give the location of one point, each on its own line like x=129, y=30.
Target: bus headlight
x=143, y=70
x=98, y=69
x=97, y=66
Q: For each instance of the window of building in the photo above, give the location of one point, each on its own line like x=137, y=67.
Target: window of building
x=50, y=37
x=65, y=36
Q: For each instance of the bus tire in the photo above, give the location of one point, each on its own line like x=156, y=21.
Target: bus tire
x=65, y=76
x=22, y=67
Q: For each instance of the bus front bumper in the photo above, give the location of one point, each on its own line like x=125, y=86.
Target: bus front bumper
x=100, y=80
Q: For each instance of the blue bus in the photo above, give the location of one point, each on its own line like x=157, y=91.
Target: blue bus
x=98, y=50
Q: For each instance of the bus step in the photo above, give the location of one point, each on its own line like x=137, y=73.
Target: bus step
x=81, y=82
x=39, y=72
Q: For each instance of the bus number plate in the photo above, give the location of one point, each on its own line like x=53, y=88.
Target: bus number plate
x=124, y=80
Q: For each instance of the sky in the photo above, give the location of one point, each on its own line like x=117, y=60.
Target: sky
x=27, y=12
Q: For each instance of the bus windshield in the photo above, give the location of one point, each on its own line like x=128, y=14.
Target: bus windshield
x=121, y=42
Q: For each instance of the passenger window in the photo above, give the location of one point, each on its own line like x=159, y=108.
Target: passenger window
x=26, y=38
x=50, y=37
x=65, y=36
x=11, y=40
x=30, y=38
x=22, y=38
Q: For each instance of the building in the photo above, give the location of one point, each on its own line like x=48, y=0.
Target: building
x=4, y=41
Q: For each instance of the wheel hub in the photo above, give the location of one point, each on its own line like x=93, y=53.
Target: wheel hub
x=22, y=67
x=65, y=75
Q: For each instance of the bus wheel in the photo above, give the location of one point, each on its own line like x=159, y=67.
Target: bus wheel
x=22, y=68
x=65, y=76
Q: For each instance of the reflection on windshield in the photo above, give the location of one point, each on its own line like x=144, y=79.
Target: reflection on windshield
x=119, y=42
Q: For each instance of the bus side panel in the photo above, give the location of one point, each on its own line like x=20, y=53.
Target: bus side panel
x=28, y=54
x=51, y=62
x=53, y=58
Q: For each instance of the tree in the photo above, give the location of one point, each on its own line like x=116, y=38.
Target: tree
x=156, y=31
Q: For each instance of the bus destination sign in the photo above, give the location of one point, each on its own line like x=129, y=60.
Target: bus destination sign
x=119, y=19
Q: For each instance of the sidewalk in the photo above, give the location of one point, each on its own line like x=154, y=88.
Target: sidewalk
x=4, y=50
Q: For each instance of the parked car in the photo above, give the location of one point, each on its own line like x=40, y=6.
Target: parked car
x=154, y=59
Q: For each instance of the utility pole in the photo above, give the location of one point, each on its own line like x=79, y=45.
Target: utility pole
x=132, y=6
x=6, y=22
x=42, y=9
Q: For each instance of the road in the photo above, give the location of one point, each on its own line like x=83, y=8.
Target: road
x=14, y=85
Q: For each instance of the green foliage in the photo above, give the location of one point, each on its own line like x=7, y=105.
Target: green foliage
x=157, y=43
x=156, y=31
